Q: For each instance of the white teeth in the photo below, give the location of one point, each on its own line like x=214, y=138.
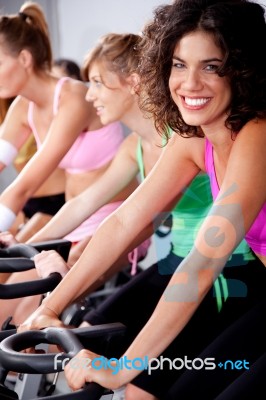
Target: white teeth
x=196, y=102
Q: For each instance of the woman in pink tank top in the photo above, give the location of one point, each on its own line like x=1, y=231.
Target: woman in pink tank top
x=50, y=196
x=122, y=170
x=205, y=76
x=69, y=134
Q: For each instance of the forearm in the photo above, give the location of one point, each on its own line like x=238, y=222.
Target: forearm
x=8, y=153
x=185, y=291
x=78, y=209
x=177, y=305
x=11, y=202
x=70, y=216
x=14, y=198
x=93, y=263
x=24, y=186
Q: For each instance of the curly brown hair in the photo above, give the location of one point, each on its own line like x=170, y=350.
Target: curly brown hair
x=244, y=60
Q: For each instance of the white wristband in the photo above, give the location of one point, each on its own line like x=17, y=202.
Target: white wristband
x=7, y=152
x=7, y=217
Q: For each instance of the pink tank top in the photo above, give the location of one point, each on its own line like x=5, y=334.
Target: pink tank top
x=92, y=149
x=256, y=236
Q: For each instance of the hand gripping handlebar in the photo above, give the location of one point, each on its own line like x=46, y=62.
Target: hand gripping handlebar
x=68, y=339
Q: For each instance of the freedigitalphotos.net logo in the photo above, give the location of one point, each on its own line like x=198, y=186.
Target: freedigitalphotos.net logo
x=152, y=364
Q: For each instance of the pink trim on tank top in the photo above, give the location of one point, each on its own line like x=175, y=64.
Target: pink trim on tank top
x=92, y=149
x=256, y=236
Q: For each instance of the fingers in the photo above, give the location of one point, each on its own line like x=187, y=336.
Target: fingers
x=41, y=318
x=48, y=262
x=76, y=381
x=78, y=370
x=40, y=323
x=7, y=239
x=33, y=350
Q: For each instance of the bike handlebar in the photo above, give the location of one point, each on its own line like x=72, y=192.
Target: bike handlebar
x=19, y=250
x=17, y=258
x=29, y=288
x=23, y=262
x=69, y=339
x=16, y=264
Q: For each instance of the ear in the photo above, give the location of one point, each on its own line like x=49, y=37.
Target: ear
x=25, y=58
x=133, y=81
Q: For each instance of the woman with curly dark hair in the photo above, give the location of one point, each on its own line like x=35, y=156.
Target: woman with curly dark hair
x=204, y=75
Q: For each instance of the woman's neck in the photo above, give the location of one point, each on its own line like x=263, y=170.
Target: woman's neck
x=39, y=89
x=143, y=126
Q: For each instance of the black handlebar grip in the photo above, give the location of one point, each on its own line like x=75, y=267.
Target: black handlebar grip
x=19, y=264
x=12, y=360
x=19, y=250
x=30, y=288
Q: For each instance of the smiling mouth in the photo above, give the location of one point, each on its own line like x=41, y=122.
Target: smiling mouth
x=99, y=108
x=196, y=102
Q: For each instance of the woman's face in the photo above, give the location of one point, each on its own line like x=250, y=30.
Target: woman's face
x=112, y=98
x=12, y=74
x=202, y=97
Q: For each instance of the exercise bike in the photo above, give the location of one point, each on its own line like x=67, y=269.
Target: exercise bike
x=70, y=340
x=19, y=258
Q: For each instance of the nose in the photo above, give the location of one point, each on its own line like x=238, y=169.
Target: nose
x=90, y=95
x=192, y=80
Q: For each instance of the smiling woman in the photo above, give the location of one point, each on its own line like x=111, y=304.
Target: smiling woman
x=229, y=143
x=201, y=95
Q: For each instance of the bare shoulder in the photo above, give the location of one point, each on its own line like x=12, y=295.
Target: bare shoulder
x=75, y=87
x=253, y=130
x=191, y=149
x=73, y=101
x=129, y=144
x=247, y=162
x=251, y=139
x=73, y=91
x=132, y=139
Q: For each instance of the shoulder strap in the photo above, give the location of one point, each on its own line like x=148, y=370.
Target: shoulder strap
x=57, y=92
x=139, y=155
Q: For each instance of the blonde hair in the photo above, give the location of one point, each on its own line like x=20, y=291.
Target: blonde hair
x=118, y=51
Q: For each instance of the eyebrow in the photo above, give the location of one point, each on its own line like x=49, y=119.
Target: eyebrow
x=202, y=61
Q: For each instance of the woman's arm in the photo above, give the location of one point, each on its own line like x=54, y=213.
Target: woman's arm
x=14, y=131
x=242, y=195
x=119, y=174
x=73, y=116
x=155, y=195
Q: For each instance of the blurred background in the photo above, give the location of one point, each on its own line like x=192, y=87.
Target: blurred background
x=75, y=25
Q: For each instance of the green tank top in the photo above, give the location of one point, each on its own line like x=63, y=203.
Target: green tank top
x=188, y=215
x=190, y=212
